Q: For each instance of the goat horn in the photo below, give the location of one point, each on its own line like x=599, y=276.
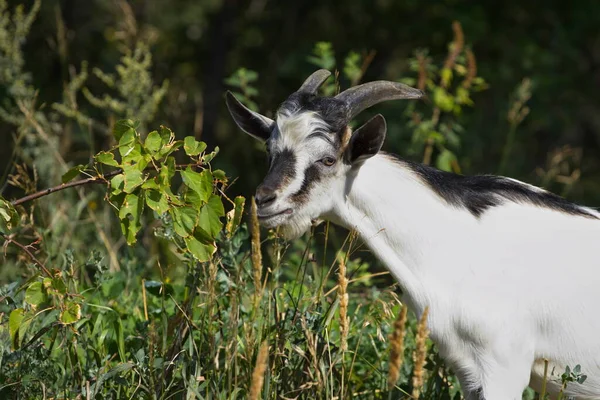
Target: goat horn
x=361, y=97
x=314, y=81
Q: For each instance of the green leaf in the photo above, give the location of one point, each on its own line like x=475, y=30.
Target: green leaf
x=14, y=323
x=9, y=218
x=36, y=294
x=199, y=248
x=185, y=220
x=209, y=216
x=209, y=157
x=117, y=184
x=106, y=158
x=59, y=285
x=445, y=160
x=201, y=182
x=219, y=175
x=153, y=142
x=234, y=217
x=72, y=173
x=442, y=99
x=446, y=75
x=157, y=201
x=132, y=178
x=123, y=127
x=193, y=147
x=150, y=184
x=130, y=214
x=193, y=198
x=71, y=313
x=127, y=142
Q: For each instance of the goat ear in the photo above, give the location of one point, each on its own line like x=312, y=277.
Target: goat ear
x=253, y=123
x=367, y=140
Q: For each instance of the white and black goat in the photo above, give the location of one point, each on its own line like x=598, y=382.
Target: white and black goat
x=509, y=271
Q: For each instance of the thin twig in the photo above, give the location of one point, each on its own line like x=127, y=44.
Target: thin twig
x=45, y=192
x=24, y=248
x=86, y=181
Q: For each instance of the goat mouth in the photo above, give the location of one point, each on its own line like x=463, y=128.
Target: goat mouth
x=263, y=217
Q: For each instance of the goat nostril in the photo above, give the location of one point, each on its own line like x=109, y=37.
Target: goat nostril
x=264, y=197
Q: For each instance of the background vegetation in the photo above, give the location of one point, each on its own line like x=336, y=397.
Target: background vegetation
x=146, y=279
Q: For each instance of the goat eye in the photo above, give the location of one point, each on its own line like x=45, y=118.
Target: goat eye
x=328, y=161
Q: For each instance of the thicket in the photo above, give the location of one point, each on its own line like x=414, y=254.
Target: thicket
x=141, y=274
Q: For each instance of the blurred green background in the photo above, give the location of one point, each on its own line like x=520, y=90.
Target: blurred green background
x=196, y=45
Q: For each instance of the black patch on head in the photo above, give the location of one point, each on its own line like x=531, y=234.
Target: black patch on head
x=281, y=171
x=312, y=175
x=333, y=111
x=481, y=192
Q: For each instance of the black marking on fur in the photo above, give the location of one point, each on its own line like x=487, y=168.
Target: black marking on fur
x=281, y=171
x=312, y=175
x=481, y=192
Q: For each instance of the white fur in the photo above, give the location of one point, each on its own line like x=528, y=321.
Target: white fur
x=506, y=290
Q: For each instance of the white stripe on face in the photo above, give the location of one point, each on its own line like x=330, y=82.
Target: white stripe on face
x=291, y=135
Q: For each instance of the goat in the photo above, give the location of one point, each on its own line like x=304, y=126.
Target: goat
x=509, y=271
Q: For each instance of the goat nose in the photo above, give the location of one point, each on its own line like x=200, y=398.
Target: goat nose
x=264, y=196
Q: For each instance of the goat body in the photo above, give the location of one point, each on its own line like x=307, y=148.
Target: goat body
x=506, y=289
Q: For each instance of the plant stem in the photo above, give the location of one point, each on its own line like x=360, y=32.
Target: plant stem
x=24, y=248
x=86, y=181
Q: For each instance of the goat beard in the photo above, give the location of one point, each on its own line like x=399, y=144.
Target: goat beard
x=295, y=227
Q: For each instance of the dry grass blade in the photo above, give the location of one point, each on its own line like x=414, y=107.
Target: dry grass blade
x=258, y=375
x=343, y=296
x=397, y=347
x=420, y=354
x=256, y=254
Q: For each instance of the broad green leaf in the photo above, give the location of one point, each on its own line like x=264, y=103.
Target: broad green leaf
x=36, y=294
x=124, y=126
x=150, y=184
x=193, y=147
x=234, y=217
x=117, y=184
x=157, y=201
x=106, y=158
x=193, y=198
x=166, y=135
x=201, y=250
x=9, y=218
x=132, y=178
x=184, y=220
x=137, y=157
x=209, y=216
x=130, y=214
x=14, y=323
x=71, y=313
x=153, y=142
x=72, y=173
x=199, y=182
x=127, y=142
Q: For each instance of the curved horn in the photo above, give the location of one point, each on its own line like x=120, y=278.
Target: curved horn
x=361, y=97
x=314, y=81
